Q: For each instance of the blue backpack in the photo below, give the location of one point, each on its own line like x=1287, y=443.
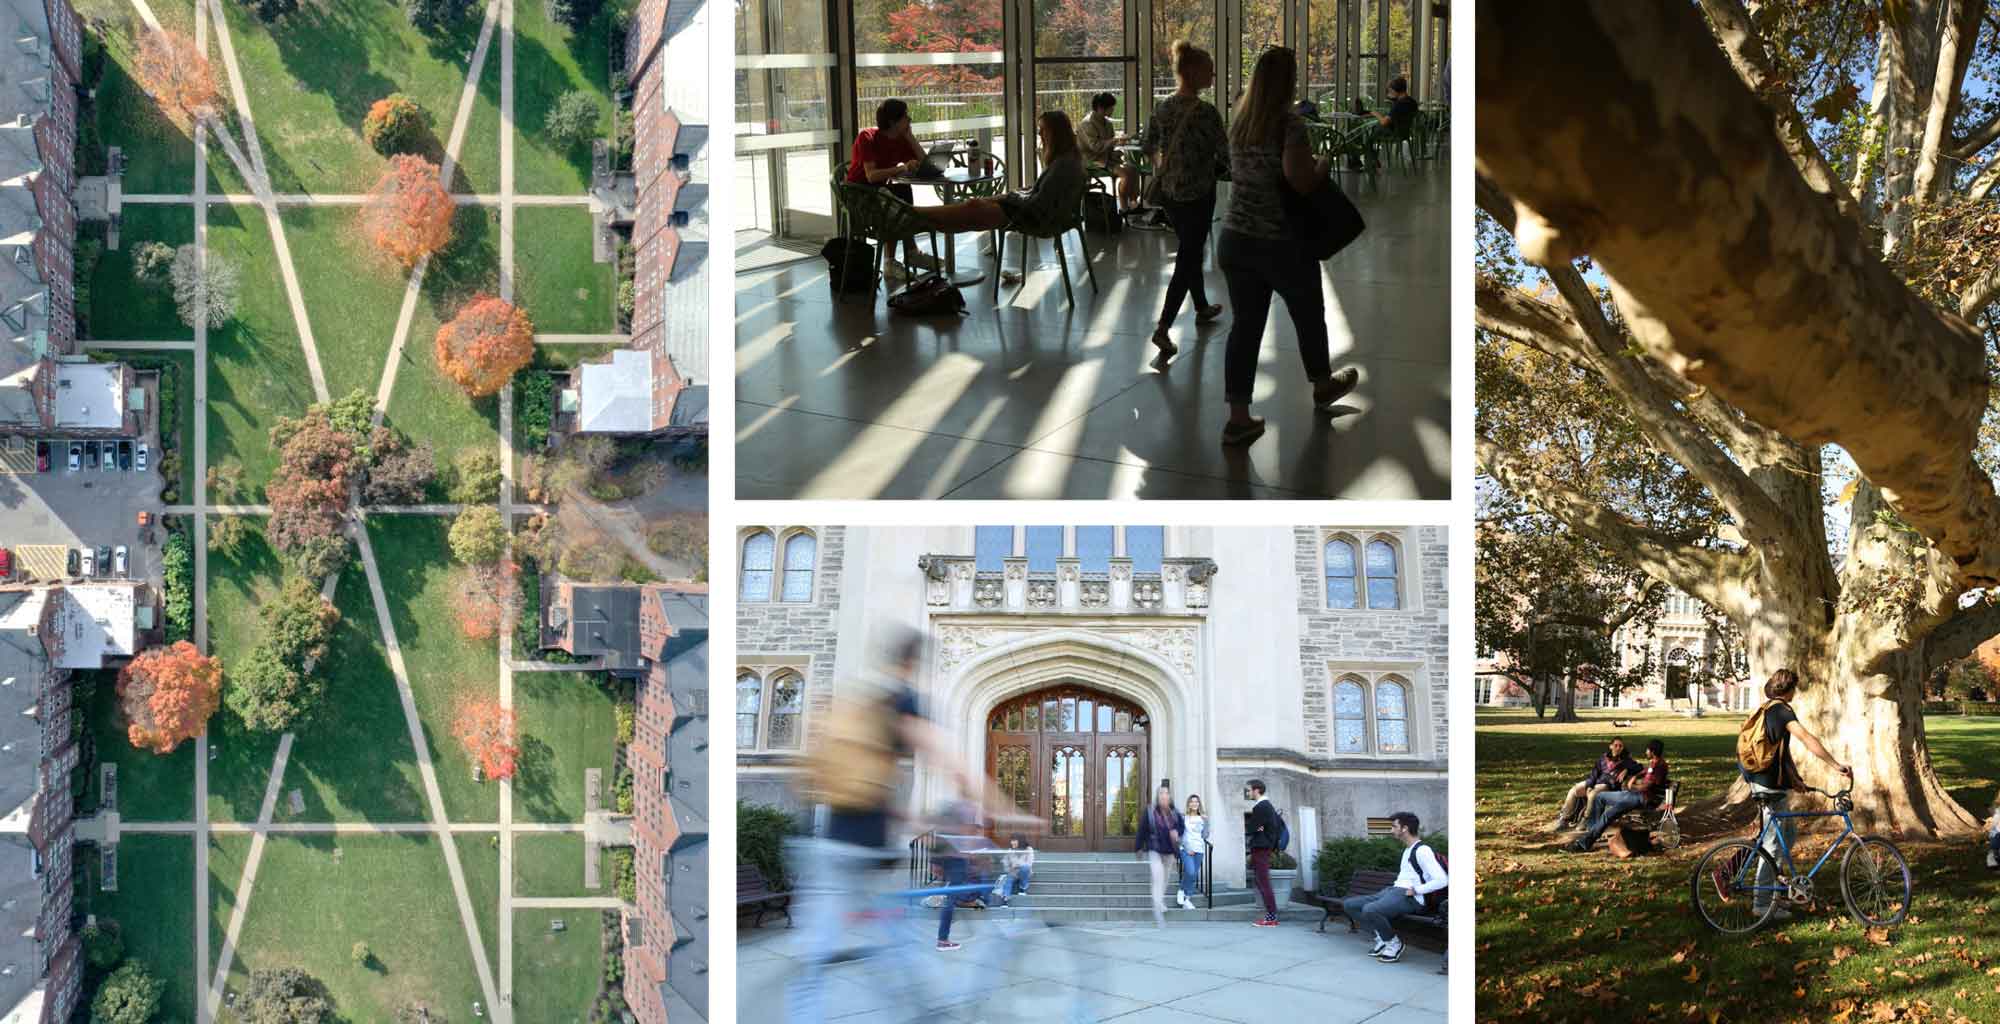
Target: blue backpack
x=1284, y=832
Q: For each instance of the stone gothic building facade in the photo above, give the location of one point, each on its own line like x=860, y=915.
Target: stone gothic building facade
x=1081, y=665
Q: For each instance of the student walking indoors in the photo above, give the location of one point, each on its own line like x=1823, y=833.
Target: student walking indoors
x=1159, y=842
x=1418, y=874
x=1188, y=146
x=1194, y=847
x=1764, y=758
x=1260, y=251
x=1265, y=840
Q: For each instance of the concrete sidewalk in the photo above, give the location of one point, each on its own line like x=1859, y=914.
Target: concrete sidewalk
x=1191, y=971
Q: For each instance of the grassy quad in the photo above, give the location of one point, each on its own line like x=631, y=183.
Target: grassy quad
x=567, y=727
x=556, y=973
x=228, y=852
x=550, y=60
x=159, y=154
x=1592, y=937
x=256, y=364
x=315, y=896
x=550, y=864
x=155, y=875
x=352, y=294
x=121, y=307
x=426, y=404
x=443, y=665
x=151, y=787
x=479, y=858
x=563, y=291
x=239, y=585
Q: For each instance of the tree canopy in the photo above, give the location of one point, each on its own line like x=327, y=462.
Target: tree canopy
x=168, y=694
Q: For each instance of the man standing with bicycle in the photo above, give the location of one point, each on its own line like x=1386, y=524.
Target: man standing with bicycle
x=1764, y=758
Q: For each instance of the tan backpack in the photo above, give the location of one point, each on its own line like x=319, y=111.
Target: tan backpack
x=852, y=762
x=1755, y=749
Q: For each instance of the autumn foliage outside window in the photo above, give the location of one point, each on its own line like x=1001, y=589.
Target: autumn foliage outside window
x=408, y=213
x=485, y=345
x=489, y=735
x=168, y=694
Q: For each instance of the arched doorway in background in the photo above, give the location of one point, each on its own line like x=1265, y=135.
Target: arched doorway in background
x=1077, y=760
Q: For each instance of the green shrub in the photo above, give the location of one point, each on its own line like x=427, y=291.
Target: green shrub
x=622, y=791
x=572, y=121
x=1338, y=859
x=103, y=946
x=131, y=995
x=475, y=478
x=177, y=570
x=85, y=254
x=533, y=392
x=573, y=13
x=626, y=722
x=627, y=303
x=761, y=831
x=621, y=871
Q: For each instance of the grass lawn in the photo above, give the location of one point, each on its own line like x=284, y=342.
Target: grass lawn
x=555, y=280
x=154, y=906
x=550, y=60
x=159, y=155
x=312, y=75
x=479, y=856
x=426, y=404
x=443, y=665
x=239, y=585
x=556, y=973
x=479, y=153
x=124, y=309
x=184, y=398
x=567, y=726
x=1589, y=937
x=257, y=368
x=226, y=856
x=352, y=294
x=316, y=896
x=551, y=864
x=352, y=760
x=151, y=787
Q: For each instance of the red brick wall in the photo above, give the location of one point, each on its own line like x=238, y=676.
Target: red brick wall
x=653, y=831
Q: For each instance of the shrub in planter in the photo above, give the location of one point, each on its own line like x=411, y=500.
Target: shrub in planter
x=761, y=831
x=1338, y=859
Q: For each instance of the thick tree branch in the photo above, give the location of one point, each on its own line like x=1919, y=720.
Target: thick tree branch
x=1745, y=48
x=1980, y=295
x=1961, y=634
x=1699, y=572
x=1633, y=607
x=1961, y=29
x=1975, y=140
x=1750, y=282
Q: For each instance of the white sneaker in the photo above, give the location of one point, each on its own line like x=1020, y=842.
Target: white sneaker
x=1376, y=949
x=1183, y=901
x=1992, y=861
x=1391, y=952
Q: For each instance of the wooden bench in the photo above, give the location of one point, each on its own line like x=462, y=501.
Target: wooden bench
x=754, y=894
x=1651, y=817
x=1368, y=883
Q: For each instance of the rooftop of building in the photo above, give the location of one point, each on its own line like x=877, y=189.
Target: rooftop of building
x=89, y=622
x=602, y=620
x=27, y=82
x=616, y=396
x=90, y=394
x=21, y=985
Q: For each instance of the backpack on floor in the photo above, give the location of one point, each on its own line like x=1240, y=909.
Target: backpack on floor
x=929, y=295
x=852, y=259
x=1100, y=213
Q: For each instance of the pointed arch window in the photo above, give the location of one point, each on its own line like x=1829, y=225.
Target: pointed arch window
x=1392, y=717
x=749, y=702
x=1341, y=591
x=1350, y=716
x=1384, y=576
x=801, y=555
x=759, y=551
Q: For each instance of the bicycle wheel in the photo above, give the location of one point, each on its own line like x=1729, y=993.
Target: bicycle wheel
x=1721, y=886
x=1875, y=881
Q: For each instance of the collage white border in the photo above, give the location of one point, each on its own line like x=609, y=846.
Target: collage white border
x=725, y=513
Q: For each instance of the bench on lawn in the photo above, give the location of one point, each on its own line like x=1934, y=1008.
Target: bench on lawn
x=1651, y=817
x=1368, y=883
x=754, y=894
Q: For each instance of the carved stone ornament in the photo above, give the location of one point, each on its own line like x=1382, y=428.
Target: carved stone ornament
x=1146, y=593
x=1096, y=593
x=1041, y=593
x=1121, y=571
x=988, y=591
x=1017, y=571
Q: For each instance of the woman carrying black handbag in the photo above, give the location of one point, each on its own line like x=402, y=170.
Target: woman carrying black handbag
x=1261, y=252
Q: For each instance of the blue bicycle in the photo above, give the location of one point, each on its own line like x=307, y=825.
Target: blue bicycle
x=1737, y=884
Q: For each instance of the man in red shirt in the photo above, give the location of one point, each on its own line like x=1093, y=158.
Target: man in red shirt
x=880, y=154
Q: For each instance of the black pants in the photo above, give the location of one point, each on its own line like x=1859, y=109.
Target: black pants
x=1256, y=268
x=1191, y=223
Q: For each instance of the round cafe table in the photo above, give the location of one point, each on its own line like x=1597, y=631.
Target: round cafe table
x=953, y=185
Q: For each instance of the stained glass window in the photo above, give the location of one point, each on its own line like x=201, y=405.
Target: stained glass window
x=1350, y=717
x=788, y=705
x=749, y=695
x=1383, y=588
x=1340, y=591
x=1392, y=718
x=757, y=554
x=800, y=553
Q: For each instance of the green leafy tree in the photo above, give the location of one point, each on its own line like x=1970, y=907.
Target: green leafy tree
x=131, y=995
x=103, y=944
x=431, y=15
x=395, y=124
x=285, y=995
x=478, y=536
x=152, y=262
x=573, y=119
x=274, y=688
x=271, y=10
x=475, y=477
x=573, y=13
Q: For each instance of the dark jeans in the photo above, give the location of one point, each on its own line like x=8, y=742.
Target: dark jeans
x=1609, y=807
x=1257, y=268
x=1191, y=223
x=954, y=874
x=1260, y=869
x=1379, y=911
x=1993, y=842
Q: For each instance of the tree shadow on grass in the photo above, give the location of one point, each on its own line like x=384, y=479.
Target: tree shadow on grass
x=540, y=79
x=535, y=779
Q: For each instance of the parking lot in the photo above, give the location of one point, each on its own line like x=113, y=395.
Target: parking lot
x=46, y=512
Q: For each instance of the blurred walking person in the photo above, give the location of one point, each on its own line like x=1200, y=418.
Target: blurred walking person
x=1159, y=842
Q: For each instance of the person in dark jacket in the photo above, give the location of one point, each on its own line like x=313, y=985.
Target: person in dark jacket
x=1262, y=841
x=1610, y=773
x=1646, y=789
x=1159, y=842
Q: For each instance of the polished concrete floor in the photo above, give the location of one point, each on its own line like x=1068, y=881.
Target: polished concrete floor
x=1026, y=397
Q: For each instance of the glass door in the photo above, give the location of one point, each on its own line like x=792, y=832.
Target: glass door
x=787, y=145
x=943, y=58
x=1083, y=48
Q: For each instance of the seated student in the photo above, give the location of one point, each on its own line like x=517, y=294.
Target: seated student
x=1610, y=772
x=1016, y=869
x=1418, y=874
x=1043, y=210
x=1645, y=789
x=1993, y=836
x=1402, y=115
x=882, y=153
x=1099, y=140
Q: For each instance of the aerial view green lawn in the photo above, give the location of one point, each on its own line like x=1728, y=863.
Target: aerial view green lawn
x=550, y=60
x=256, y=366
x=121, y=307
x=151, y=787
x=1590, y=937
x=427, y=405
x=551, y=864
x=555, y=970
x=555, y=280
x=353, y=312
x=567, y=727
x=154, y=913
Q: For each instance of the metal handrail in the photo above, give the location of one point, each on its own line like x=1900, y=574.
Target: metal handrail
x=920, y=859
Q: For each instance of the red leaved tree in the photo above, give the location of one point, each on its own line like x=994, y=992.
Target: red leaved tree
x=167, y=694
x=485, y=344
x=307, y=492
x=489, y=735
x=485, y=599
x=947, y=26
x=408, y=213
x=176, y=75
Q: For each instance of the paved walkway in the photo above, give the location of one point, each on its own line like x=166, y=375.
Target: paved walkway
x=142, y=346
x=336, y=199
x=1190, y=972
x=583, y=339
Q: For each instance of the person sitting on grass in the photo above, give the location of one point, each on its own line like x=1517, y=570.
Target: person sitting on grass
x=1993, y=836
x=1645, y=789
x=1610, y=773
x=1043, y=211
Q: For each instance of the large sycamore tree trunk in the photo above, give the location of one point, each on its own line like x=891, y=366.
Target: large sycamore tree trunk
x=1757, y=322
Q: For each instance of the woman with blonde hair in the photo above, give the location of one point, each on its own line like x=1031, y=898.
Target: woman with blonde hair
x=1187, y=144
x=1194, y=846
x=1260, y=251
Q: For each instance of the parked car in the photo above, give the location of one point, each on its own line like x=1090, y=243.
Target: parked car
x=142, y=456
x=124, y=455
x=74, y=563
x=118, y=560
x=75, y=456
x=110, y=457
x=90, y=454
x=6, y=562
x=104, y=559
x=42, y=460
x=89, y=563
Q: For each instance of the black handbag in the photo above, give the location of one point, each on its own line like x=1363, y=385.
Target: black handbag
x=1101, y=214
x=1326, y=220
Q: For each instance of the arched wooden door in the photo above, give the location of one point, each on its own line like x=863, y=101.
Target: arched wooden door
x=1077, y=760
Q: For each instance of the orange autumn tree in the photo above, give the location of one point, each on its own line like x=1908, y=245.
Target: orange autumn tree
x=168, y=694
x=485, y=344
x=487, y=730
x=485, y=599
x=176, y=74
x=408, y=213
